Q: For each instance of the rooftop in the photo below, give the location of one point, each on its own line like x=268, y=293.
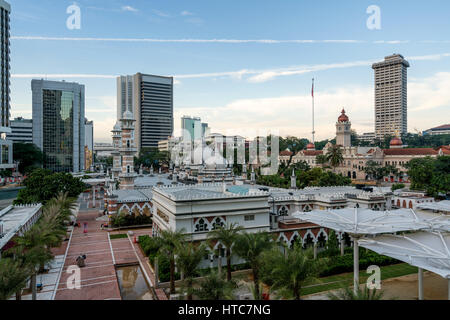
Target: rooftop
x=13, y=218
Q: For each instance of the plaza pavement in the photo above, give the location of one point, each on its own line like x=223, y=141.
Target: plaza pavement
x=98, y=277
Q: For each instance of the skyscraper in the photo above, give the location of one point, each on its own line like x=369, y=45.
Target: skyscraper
x=5, y=64
x=5, y=145
x=391, y=106
x=150, y=99
x=59, y=124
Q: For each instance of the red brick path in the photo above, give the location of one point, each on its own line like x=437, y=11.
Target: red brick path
x=98, y=277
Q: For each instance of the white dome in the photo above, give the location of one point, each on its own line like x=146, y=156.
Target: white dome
x=117, y=127
x=127, y=115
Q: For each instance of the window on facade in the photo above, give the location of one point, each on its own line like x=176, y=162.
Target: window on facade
x=217, y=224
x=201, y=226
x=249, y=217
x=283, y=211
x=58, y=131
x=5, y=154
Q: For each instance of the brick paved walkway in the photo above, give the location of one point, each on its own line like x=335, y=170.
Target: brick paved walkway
x=98, y=277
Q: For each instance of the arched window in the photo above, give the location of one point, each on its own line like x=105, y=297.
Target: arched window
x=128, y=143
x=218, y=223
x=283, y=211
x=201, y=226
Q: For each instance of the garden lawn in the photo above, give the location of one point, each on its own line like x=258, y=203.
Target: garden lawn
x=346, y=279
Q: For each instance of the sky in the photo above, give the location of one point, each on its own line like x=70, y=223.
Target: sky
x=244, y=67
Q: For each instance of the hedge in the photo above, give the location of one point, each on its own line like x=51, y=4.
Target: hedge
x=341, y=264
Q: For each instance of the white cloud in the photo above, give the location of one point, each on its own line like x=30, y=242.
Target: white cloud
x=161, y=13
x=129, y=8
x=186, y=13
x=428, y=102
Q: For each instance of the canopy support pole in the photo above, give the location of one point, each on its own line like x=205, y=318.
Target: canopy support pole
x=448, y=286
x=420, y=281
x=355, y=265
x=342, y=244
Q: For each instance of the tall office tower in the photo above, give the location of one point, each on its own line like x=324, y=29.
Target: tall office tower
x=59, y=124
x=150, y=99
x=191, y=128
x=5, y=145
x=5, y=72
x=391, y=96
x=21, y=130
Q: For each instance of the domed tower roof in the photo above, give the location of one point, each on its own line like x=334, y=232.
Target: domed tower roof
x=117, y=127
x=343, y=117
x=127, y=115
x=310, y=146
x=396, y=142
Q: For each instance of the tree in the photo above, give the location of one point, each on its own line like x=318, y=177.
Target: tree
x=13, y=277
x=32, y=250
x=321, y=159
x=377, y=172
x=28, y=155
x=250, y=246
x=291, y=269
x=348, y=293
x=227, y=236
x=215, y=287
x=334, y=156
x=188, y=259
x=432, y=175
x=42, y=185
x=170, y=241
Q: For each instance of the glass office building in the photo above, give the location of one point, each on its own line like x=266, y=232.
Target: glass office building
x=59, y=124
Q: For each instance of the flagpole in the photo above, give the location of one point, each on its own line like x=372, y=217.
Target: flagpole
x=312, y=93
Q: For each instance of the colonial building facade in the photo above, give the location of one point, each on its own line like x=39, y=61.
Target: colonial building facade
x=356, y=158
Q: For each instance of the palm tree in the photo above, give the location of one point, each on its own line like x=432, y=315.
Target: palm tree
x=188, y=259
x=13, y=277
x=321, y=159
x=32, y=247
x=334, y=156
x=215, y=287
x=66, y=204
x=291, y=269
x=250, y=246
x=170, y=240
x=227, y=236
x=347, y=293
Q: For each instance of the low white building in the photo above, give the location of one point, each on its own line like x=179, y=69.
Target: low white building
x=201, y=208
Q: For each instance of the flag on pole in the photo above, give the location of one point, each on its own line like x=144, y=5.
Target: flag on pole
x=312, y=90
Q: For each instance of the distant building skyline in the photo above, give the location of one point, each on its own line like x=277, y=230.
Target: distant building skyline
x=59, y=124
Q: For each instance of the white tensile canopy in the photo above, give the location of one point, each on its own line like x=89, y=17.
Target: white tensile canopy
x=425, y=250
x=360, y=222
x=443, y=206
x=357, y=221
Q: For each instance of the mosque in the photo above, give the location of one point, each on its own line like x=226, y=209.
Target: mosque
x=214, y=197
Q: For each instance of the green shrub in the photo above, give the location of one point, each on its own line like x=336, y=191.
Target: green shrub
x=341, y=264
x=126, y=220
x=397, y=186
